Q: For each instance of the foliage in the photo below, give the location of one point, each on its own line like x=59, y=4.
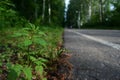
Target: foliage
x=33, y=11
x=94, y=13
x=8, y=16
x=29, y=50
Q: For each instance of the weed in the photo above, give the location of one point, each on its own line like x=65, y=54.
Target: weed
x=29, y=51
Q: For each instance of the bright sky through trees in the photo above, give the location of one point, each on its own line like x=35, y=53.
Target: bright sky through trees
x=67, y=2
x=66, y=6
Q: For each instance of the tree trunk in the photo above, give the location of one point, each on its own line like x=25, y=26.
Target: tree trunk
x=49, y=11
x=36, y=9
x=90, y=10
x=78, y=20
x=101, y=11
x=43, y=12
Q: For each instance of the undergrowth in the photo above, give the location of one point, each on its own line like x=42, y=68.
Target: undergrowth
x=28, y=53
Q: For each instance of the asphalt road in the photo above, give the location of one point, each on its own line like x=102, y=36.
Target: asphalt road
x=95, y=53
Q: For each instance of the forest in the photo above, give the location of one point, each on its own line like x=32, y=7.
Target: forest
x=31, y=34
x=31, y=39
x=96, y=14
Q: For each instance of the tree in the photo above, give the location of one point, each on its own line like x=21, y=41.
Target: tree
x=36, y=9
x=77, y=13
x=42, y=11
x=49, y=10
x=93, y=12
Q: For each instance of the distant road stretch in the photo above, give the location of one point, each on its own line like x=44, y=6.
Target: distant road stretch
x=95, y=53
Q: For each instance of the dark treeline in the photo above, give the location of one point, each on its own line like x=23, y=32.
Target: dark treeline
x=39, y=12
x=91, y=13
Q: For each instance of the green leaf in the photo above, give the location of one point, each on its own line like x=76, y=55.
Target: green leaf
x=39, y=69
x=9, y=4
x=12, y=75
x=17, y=69
x=32, y=58
x=9, y=65
x=40, y=41
x=10, y=11
x=44, y=79
x=1, y=9
x=25, y=33
x=27, y=42
x=14, y=71
x=26, y=29
x=43, y=60
x=17, y=35
x=41, y=33
x=32, y=26
x=36, y=29
x=28, y=72
x=38, y=63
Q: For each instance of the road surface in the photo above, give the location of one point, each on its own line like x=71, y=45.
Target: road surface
x=95, y=53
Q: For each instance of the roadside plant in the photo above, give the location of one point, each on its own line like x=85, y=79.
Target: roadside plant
x=24, y=57
x=28, y=53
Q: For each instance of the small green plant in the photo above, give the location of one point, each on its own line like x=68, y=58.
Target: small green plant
x=29, y=41
x=29, y=51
